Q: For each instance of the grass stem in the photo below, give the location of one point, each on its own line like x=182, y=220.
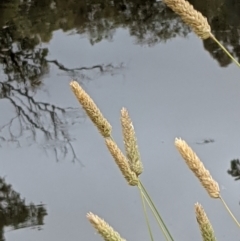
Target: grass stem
x=146, y=216
x=224, y=49
x=229, y=211
x=156, y=214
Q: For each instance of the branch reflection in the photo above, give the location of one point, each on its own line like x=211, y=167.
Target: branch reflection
x=24, y=64
x=14, y=212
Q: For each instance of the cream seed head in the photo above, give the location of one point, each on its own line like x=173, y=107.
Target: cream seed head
x=197, y=167
x=91, y=109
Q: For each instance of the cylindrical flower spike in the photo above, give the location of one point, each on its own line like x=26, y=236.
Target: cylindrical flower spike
x=191, y=17
x=204, y=224
x=130, y=142
x=122, y=162
x=91, y=109
x=103, y=228
x=198, y=168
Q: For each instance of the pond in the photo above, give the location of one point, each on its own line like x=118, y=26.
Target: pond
x=55, y=167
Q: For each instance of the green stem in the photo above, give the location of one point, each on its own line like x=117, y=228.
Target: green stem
x=146, y=216
x=156, y=213
x=225, y=50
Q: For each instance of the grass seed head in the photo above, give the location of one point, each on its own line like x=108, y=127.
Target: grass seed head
x=198, y=168
x=191, y=17
x=103, y=228
x=130, y=143
x=204, y=224
x=91, y=109
x=122, y=162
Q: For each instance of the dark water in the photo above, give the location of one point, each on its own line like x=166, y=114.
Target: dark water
x=137, y=54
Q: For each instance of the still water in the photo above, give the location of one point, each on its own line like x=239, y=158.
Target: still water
x=55, y=167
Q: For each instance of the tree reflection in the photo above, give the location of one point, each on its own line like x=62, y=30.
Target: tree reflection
x=14, y=212
x=234, y=170
x=149, y=22
x=41, y=122
x=24, y=64
x=35, y=118
x=223, y=16
x=24, y=25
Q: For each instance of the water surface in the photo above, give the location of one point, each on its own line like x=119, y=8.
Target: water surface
x=139, y=56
